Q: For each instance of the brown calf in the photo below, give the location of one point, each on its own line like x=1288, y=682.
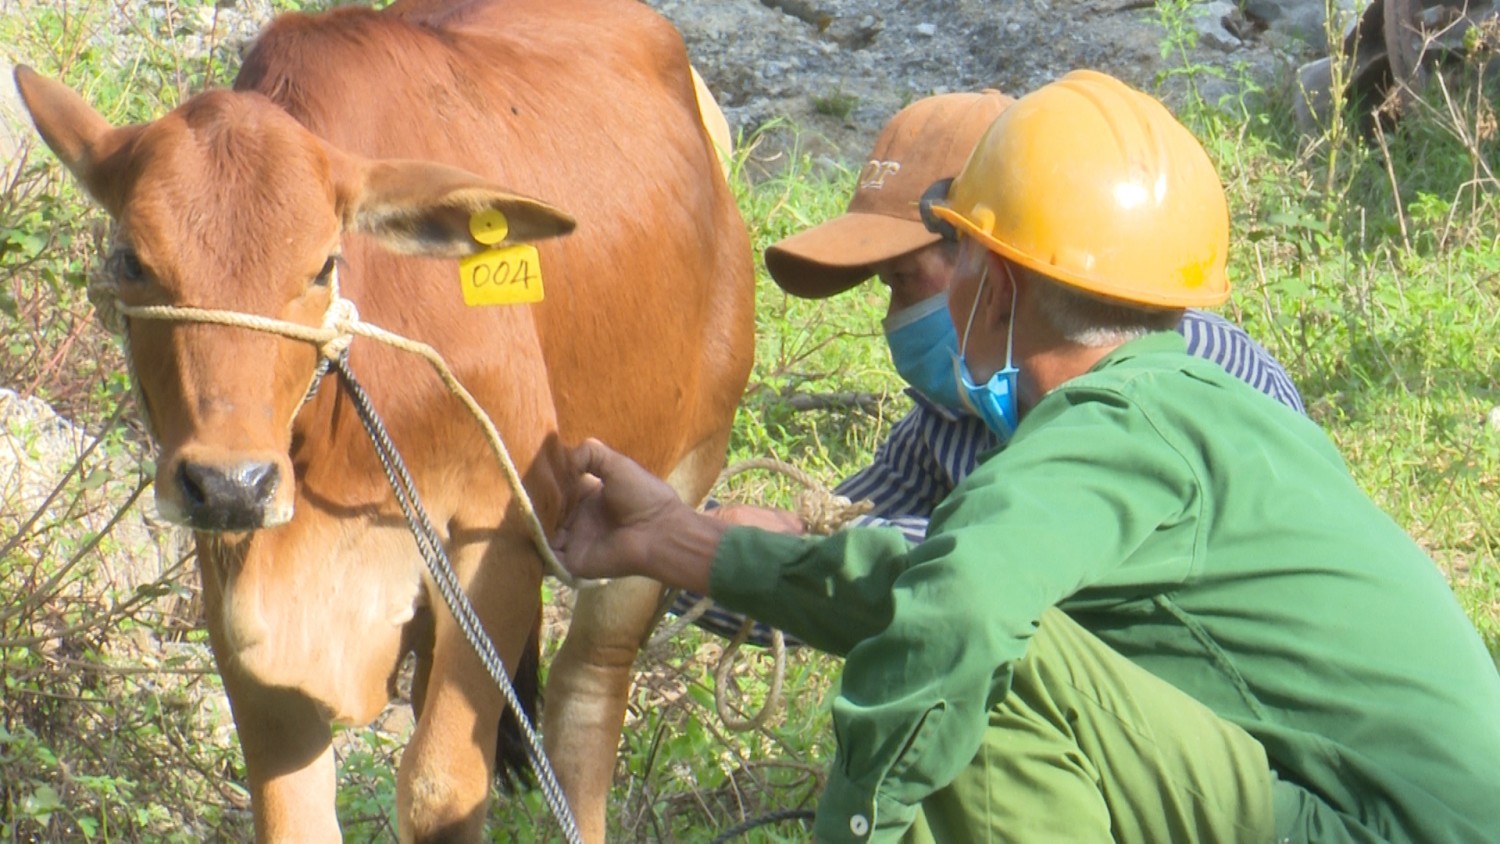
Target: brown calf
x=367, y=140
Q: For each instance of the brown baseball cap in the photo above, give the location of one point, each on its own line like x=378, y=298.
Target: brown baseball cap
x=926, y=141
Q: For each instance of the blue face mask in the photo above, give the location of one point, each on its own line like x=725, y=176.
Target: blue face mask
x=923, y=342
x=994, y=401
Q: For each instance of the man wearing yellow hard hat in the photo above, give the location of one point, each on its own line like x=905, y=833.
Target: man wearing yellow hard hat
x=1164, y=611
x=882, y=234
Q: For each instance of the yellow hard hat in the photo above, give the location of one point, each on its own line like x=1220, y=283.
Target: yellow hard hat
x=1096, y=185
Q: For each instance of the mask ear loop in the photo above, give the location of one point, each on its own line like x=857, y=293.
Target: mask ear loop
x=963, y=346
x=1010, y=326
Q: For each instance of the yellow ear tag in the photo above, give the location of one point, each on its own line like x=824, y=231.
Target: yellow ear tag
x=508, y=276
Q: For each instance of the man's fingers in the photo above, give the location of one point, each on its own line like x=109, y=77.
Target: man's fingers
x=593, y=457
x=582, y=480
x=584, y=487
x=558, y=541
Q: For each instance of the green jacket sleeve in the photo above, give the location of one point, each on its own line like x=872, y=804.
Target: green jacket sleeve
x=1087, y=479
x=794, y=581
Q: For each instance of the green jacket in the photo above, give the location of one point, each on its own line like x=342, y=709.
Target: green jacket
x=1199, y=528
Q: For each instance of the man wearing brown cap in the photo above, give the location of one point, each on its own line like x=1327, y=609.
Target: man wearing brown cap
x=883, y=234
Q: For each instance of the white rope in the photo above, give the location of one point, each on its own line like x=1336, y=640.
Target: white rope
x=823, y=513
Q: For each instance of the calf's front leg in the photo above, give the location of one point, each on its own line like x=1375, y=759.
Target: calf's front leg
x=444, y=781
x=587, y=689
x=287, y=741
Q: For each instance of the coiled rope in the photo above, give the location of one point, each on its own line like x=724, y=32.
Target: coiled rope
x=823, y=513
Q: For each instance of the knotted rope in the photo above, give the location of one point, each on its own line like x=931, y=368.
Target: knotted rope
x=823, y=512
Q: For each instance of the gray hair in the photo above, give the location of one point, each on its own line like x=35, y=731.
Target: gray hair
x=1093, y=321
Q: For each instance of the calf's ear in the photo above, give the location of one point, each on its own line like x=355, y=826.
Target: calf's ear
x=78, y=135
x=423, y=208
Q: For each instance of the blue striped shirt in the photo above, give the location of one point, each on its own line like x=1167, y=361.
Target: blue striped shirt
x=933, y=448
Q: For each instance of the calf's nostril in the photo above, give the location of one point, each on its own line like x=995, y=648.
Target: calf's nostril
x=260, y=480
x=190, y=479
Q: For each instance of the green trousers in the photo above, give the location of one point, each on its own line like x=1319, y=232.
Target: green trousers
x=1090, y=747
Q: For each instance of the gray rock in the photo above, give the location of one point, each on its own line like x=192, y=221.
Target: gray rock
x=1306, y=20
x=38, y=450
x=887, y=53
x=1311, y=101
x=1212, y=25
x=1445, y=26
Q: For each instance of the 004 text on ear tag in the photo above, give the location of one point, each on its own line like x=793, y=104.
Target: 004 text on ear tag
x=508, y=276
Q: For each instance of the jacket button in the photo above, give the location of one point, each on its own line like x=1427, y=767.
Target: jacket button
x=859, y=825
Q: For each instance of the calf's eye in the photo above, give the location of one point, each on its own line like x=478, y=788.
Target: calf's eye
x=325, y=275
x=128, y=267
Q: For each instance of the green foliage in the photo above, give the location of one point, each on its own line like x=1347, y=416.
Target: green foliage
x=367, y=788
x=830, y=348
x=1178, y=21
x=1368, y=263
x=99, y=698
x=103, y=735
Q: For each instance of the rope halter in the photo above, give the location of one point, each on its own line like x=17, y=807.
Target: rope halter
x=340, y=325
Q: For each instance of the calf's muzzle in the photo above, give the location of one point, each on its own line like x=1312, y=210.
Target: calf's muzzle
x=232, y=497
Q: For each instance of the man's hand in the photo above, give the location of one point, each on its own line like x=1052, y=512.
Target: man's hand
x=624, y=520
x=616, y=507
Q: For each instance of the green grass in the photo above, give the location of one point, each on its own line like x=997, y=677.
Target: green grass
x=1371, y=268
x=1373, y=272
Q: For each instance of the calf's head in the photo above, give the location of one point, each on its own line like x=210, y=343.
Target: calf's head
x=229, y=204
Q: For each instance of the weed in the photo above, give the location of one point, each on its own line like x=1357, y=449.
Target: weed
x=839, y=104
